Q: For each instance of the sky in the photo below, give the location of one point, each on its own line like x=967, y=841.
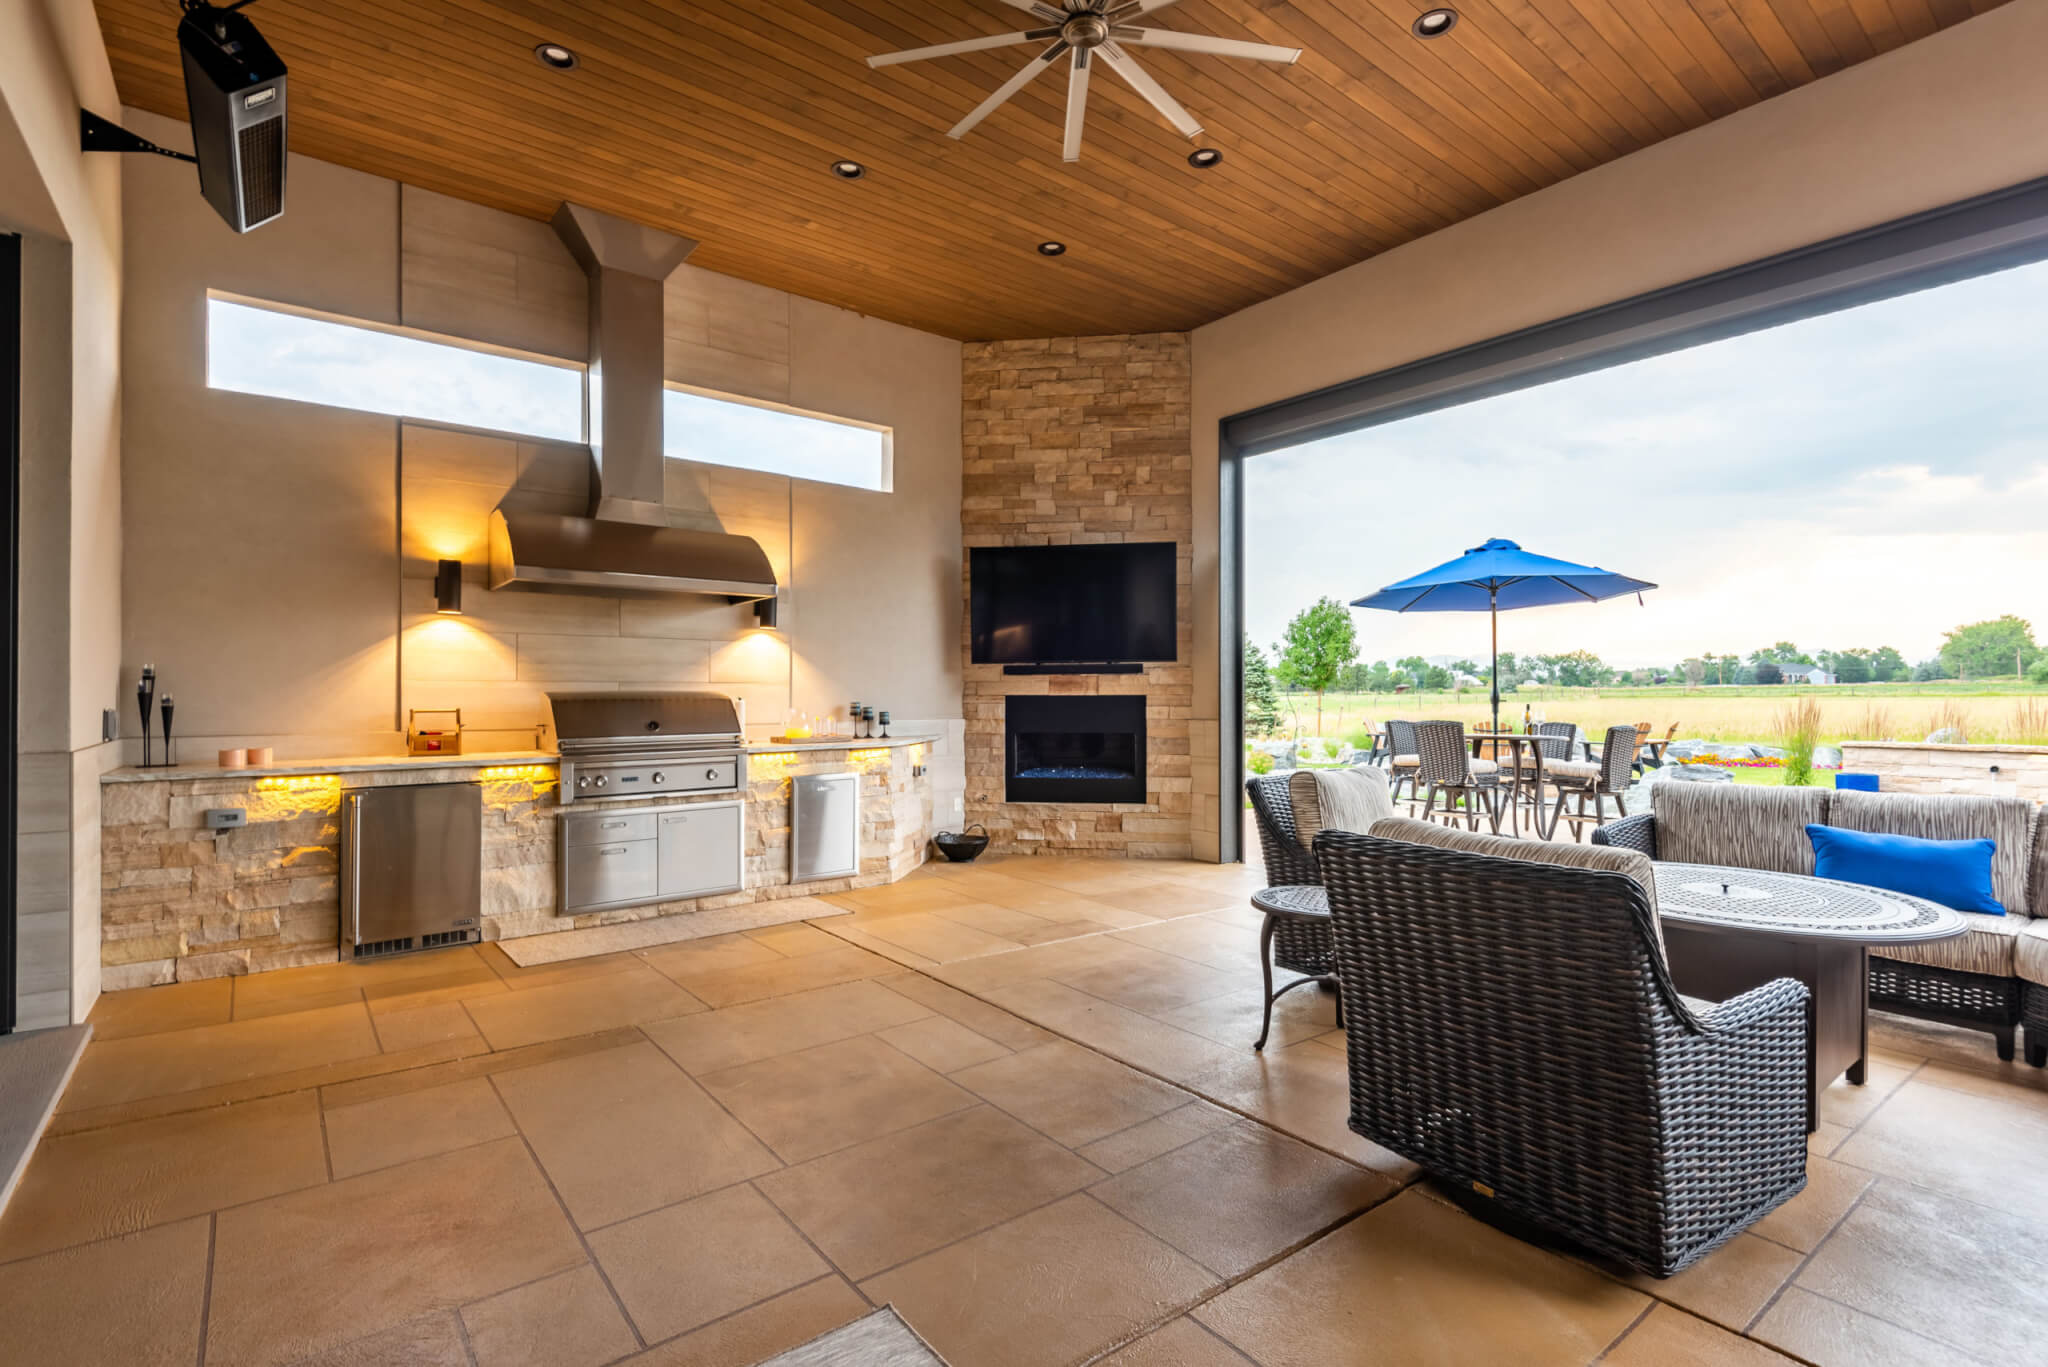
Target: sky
x=1865, y=478
x=315, y=360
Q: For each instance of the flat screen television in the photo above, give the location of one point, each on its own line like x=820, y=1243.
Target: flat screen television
x=1093, y=604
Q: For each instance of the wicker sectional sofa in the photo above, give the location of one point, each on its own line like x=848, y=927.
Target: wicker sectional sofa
x=1990, y=978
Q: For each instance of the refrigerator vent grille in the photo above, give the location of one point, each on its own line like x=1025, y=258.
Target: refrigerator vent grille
x=378, y=948
x=450, y=937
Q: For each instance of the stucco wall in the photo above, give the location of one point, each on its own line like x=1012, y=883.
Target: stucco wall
x=1961, y=113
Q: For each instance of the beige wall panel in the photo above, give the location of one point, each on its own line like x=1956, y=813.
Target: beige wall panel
x=876, y=577
x=640, y=660
x=491, y=277
x=684, y=617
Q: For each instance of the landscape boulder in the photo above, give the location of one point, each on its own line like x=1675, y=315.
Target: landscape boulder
x=1827, y=757
x=1947, y=735
x=1697, y=773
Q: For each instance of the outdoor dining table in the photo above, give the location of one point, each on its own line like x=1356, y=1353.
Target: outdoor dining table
x=1515, y=741
x=1727, y=930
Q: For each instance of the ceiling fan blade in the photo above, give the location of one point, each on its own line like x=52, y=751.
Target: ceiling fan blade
x=1077, y=103
x=1039, y=8
x=1006, y=90
x=1140, y=80
x=1138, y=9
x=1202, y=42
x=919, y=54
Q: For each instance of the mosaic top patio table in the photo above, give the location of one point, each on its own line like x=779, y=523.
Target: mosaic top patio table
x=1727, y=930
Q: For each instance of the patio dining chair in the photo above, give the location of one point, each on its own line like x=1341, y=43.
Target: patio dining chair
x=1404, y=760
x=1557, y=740
x=1607, y=777
x=1449, y=771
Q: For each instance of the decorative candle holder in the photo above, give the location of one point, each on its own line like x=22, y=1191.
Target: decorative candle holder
x=169, y=706
x=145, y=691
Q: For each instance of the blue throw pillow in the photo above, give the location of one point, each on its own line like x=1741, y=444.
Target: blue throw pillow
x=1955, y=873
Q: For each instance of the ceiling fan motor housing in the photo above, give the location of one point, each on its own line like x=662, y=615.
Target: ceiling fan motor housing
x=1085, y=31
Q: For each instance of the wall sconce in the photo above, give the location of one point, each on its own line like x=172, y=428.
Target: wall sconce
x=448, y=587
x=767, y=611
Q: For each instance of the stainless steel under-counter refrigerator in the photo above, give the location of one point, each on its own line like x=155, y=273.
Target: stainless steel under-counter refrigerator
x=824, y=817
x=411, y=867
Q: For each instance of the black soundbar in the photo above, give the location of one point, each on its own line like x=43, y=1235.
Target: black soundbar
x=1111, y=667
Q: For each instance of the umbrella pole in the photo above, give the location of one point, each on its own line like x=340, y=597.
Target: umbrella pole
x=1493, y=611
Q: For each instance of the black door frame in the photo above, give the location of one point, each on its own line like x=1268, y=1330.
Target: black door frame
x=1975, y=237
x=10, y=608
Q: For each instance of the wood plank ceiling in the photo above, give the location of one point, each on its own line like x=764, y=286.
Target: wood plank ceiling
x=719, y=121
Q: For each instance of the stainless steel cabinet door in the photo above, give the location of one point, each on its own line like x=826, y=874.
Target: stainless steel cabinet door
x=824, y=837
x=701, y=849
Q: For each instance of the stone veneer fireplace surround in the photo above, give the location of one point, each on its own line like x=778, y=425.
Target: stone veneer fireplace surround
x=1082, y=439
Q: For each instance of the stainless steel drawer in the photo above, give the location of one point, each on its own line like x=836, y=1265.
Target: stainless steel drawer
x=607, y=828
x=600, y=875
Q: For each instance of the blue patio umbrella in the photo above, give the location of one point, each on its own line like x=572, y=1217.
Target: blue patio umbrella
x=1498, y=577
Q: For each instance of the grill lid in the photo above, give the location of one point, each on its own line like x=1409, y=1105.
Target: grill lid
x=643, y=717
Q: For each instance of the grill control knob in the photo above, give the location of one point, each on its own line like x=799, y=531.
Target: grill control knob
x=582, y=783
x=600, y=780
x=660, y=777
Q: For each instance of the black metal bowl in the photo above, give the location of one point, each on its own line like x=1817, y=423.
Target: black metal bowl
x=961, y=846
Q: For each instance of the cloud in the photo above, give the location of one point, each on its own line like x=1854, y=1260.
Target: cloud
x=1868, y=477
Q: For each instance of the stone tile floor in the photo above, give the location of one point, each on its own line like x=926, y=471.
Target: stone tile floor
x=1016, y=1099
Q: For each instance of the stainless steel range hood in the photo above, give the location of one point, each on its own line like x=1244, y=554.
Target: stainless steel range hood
x=625, y=543
x=548, y=549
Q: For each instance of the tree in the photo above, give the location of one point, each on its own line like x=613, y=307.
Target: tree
x=2038, y=671
x=1576, y=669
x=1767, y=672
x=1695, y=671
x=1929, y=670
x=1261, y=708
x=1318, y=643
x=1887, y=665
x=1783, y=653
x=1379, y=679
x=1437, y=679
x=1980, y=650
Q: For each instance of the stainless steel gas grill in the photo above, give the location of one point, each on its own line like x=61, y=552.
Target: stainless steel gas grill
x=648, y=744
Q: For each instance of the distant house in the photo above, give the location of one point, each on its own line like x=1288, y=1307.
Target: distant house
x=1808, y=674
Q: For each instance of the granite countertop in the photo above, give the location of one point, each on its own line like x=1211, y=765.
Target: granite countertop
x=344, y=764
x=367, y=764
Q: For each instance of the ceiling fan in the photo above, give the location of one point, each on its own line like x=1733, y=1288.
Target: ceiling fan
x=1083, y=31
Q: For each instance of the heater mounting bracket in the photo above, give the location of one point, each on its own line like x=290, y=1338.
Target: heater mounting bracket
x=96, y=134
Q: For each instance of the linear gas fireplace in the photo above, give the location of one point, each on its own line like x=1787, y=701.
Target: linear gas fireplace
x=1073, y=748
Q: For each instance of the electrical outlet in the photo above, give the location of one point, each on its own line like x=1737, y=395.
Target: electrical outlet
x=225, y=818
x=110, y=724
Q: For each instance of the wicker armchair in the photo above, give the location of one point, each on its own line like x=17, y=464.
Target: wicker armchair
x=1450, y=772
x=1515, y=1032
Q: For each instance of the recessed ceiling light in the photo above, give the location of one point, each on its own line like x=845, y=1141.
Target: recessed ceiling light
x=1052, y=249
x=555, y=56
x=1202, y=158
x=848, y=170
x=1435, y=23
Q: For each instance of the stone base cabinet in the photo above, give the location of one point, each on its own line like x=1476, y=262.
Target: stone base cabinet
x=182, y=902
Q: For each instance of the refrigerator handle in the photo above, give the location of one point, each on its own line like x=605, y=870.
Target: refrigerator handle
x=355, y=865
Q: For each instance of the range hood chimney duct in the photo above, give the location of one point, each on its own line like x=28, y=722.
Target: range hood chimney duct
x=626, y=543
x=628, y=264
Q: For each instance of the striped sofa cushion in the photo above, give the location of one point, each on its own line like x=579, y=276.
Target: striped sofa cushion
x=2030, y=951
x=1987, y=945
x=2010, y=821
x=1737, y=825
x=2037, y=878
